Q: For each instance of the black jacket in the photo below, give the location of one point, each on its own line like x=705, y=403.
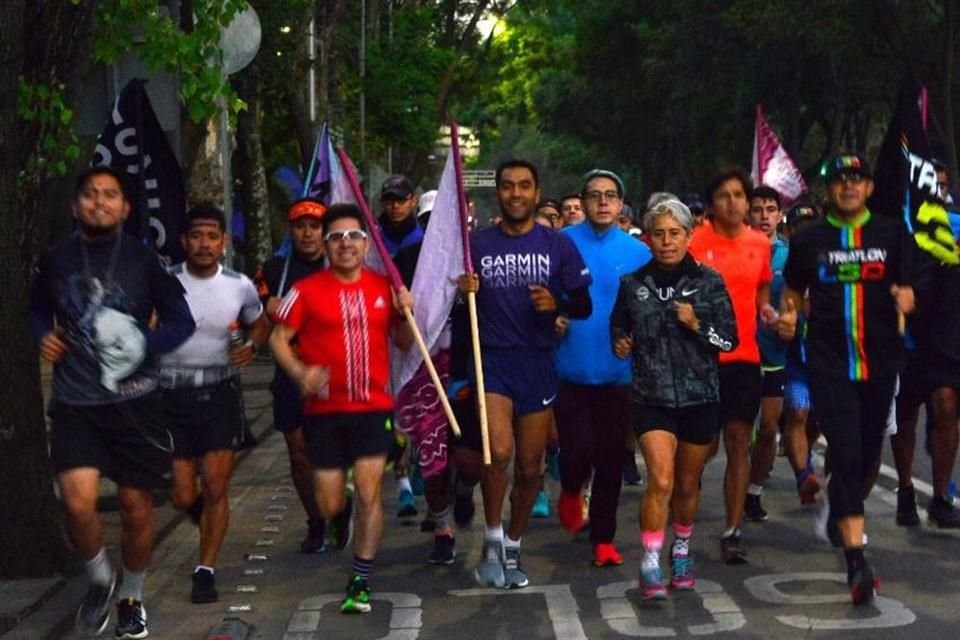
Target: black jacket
x=672, y=365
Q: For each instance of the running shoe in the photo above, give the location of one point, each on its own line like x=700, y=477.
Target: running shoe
x=943, y=513
x=606, y=555
x=444, y=551
x=732, y=549
x=821, y=518
x=204, y=587
x=428, y=524
x=570, y=511
x=131, y=620
x=406, y=504
x=651, y=584
x=340, y=529
x=864, y=585
x=514, y=577
x=541, y=506
x=463, y=510
x=93, y=614
x=681, y=566
x=907, y=507
x=753, y=509
x=807, y=489
x=316, y=532
x=489, y=573
x=357, y=597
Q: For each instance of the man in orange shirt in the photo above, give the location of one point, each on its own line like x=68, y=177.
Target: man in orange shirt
x=742, y=256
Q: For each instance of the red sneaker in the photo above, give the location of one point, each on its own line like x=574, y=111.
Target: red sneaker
x=606, y=555
x=570, y=511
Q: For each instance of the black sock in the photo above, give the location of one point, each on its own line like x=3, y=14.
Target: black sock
x=854, y=562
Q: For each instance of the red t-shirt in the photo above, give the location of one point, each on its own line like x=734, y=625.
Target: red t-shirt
x=346, y=327
x=744, y=264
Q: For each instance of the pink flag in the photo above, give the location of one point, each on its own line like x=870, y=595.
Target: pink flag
x=377, y=257
x=771, y=164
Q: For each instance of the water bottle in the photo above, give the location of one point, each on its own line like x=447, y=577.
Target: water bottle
x=236, y=339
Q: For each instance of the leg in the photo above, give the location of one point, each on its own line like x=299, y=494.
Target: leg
x=573, y=425
x=138, y=527
x=184, y=491
x=736, y=441
x=690, y=460
x=531, y=432
x=765, y=446
x=300, y=471
x=659, y=449
x=609, y=408
x=328, y=487
x=944, y=438
x=904, y=442
x=217, y=469
x=80, y=489
x=368, y=479
x=493, y=479
x=794, y=432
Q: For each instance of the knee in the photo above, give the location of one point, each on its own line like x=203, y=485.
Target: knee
x=182, y=498
x=136, y=510
x=331, y=505
x=80, y=507
x=660, y=482
x=736, y=440
x=500, y=454
x=368, y=501
x=215, y=489
x=527, y=472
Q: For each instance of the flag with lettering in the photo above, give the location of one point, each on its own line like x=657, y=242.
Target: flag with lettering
x=325, y=180
x=905, y=180
x=133, y=144
x=772, y=165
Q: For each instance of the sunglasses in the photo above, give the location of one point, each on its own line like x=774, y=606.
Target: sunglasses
x=350, y=234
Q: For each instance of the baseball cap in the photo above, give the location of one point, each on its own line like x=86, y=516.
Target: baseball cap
x=801, y=212
x=305, y=207
x=426, y=202
x=397, y=187
x=852, y=163
x=693, y=201
x=601, y=173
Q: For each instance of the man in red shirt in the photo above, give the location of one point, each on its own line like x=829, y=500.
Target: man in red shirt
x=343, y=319
x=742, y=256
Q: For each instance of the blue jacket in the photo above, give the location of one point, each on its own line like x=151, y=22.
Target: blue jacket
x=584, y=355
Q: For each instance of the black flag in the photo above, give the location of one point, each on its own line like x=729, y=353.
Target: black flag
x=906, y=181
x=133, y=143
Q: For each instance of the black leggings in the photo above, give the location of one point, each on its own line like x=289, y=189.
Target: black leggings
x=853, y=416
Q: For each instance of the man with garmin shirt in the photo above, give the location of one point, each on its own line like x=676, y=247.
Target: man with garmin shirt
x=525, y=275
x=594, y=395
x=200, y=379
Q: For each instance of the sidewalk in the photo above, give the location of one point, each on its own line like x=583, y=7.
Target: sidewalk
x=41, y=602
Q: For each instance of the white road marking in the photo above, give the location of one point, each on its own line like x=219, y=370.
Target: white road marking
x=561, y=606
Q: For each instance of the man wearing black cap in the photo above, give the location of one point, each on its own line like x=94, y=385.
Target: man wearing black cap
x=397, y=222
x=852, y=264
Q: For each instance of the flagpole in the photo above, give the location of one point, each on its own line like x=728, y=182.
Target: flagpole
x=394, y=276
x=472, y=295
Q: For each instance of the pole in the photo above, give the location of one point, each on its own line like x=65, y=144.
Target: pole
x=312, y=72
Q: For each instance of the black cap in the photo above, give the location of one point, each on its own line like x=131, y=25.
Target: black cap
x=850, y=163
x=801, y=212
x=693, y=201
x=397, y=187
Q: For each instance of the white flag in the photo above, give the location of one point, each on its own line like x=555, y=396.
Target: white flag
x=771, y=164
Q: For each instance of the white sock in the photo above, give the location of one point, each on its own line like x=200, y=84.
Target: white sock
x=510, y=543
x=99, y=569
x=403, y=484
x=205, y=568
x=730, y=531
x=755, y=490
x=651, y=560
x=131, y=586
x=494, y=533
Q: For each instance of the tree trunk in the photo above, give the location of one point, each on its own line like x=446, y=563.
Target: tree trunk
x=251, y=172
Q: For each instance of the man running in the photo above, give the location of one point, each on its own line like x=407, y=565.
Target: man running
x=90, y=310
x=342, y=319
x=202, y=398
x=525, y=275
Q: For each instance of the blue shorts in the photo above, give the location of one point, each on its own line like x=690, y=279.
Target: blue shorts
x=796, y=389
x=528, y=378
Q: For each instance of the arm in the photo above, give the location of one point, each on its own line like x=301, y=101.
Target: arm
x=578, y=304
x=620, y=326
x=718, y=326
x=41, y=317
x=258, y=333
x=175, y=322
x=310, y=379
x=402, y=331
x=791, y=301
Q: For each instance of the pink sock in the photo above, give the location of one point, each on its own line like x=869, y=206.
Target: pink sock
x=682, y=530
x=652, y=540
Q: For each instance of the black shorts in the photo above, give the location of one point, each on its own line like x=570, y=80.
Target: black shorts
x=287, y=403
x=915, y=381
x=773, y=382
x=942, y=371
x=740, y=384
x=696, y=424
x=202, y=419
x=336, y=441
x=127, y=441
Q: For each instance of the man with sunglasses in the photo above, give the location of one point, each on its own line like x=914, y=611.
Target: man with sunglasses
x=342, y=319
x=852, y=264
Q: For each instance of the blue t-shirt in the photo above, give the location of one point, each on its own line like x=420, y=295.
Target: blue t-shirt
x=773, y=350
x=585, y=354
x=507, y=266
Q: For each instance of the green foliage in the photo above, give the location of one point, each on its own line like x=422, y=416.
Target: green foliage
x=195, y=56
x=43, y=106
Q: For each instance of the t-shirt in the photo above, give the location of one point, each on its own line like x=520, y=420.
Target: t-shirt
x=215, y=303
x=848, y=268
x=584, y=354
x=773, y=350
x=270, y=279
x=102, y=294
x=507, y=265
x=345, y=327
x=744, y=264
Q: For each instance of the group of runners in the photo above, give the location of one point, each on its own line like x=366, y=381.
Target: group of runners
x=593, y=339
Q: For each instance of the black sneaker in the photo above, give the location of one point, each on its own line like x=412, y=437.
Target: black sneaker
x=464, y=510
x=732, y=550
x=131, y=620
x=204, y=587
x=863, y=586
x=907, y=507
x=93, y=614
x=444, y=551
x=314, y=542
x=943, y=513
x=340, y=529
x=753, y=510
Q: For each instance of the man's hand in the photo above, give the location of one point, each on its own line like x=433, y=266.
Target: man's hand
x=769, y=317
x=786, y=326
x=52, y=346
x=561, y=324
x=686, y=315
x=402, y=299
x=242, y=355
x=469, y=283
x=542, y=299
x=622, y=347
x=314, y=382
x=903, y=298
x=273, y=303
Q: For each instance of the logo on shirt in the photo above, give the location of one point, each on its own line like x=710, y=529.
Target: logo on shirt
x=688, y=292
x=379, y=303
x=515, y=269
x=853, y=265
x=642, y=293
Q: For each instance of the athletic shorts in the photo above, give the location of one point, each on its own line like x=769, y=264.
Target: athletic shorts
x=529, y=379
x=337, y=440
x=203, y=419
x=126, y=441
x=773, y=382
x=916, y=380
x=942, y=371
x=740, y=384
x=287, y=403
x=796, y=388
x=696, y=424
